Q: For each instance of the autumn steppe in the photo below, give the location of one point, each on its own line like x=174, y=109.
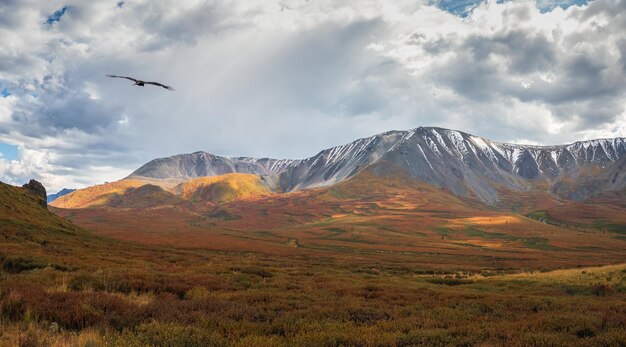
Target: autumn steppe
x=365, y=220
x=366, y=262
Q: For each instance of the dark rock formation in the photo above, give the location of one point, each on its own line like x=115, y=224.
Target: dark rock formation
x=38, y=190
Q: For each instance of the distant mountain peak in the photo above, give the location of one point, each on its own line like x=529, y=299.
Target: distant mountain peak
x=451, y=159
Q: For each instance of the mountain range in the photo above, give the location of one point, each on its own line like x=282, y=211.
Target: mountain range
x=464, y=164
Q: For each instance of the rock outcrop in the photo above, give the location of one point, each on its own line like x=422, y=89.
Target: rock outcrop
x=38, y=191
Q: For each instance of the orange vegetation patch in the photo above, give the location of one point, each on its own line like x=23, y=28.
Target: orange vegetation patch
x=223, y=188
x=490, y=220
x=483, y=243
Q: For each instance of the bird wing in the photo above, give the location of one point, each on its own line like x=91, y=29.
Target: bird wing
x=126, y=77
x=160, y=85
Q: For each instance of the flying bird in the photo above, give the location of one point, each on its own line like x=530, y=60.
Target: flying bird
x=141, y=83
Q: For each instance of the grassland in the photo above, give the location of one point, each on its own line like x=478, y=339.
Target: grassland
x=362, y=220
x=356, y=265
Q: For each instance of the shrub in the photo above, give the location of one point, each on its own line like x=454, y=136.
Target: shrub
x=86, y=282
x=89, y=338
x=601, y=289
x=366, y=316
x=429, y=338
x=18, y=264
x=256, y=270
x=80, y=310
x=585, y=333
x=12, y=307
x=197, y=293
x=450, y=281
x=169, y=334
x=29, y=339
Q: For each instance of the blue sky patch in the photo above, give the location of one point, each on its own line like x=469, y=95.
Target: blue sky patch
x=462, y=8
x=4, y=91
x=56, y=16
x=549, y=5
x=120, y=4
x=8, y=151
x=457, y=7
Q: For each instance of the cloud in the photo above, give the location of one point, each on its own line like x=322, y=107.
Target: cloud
x=567, y=62
x=263, y=78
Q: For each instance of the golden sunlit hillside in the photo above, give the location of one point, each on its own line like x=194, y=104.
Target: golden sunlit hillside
x=133, y=193
x=98, y=195
x=223, y=188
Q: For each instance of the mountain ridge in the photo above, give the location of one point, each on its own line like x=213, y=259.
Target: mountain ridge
x=466, y=164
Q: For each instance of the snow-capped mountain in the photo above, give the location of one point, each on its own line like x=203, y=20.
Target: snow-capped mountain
x=465, y=164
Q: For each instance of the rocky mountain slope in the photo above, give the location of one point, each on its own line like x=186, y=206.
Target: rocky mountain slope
x=462, y=163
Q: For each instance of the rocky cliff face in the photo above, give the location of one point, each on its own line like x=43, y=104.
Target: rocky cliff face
x=38, y=191
x=465, y=164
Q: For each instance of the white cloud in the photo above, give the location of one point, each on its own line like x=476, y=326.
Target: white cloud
x=289, y=78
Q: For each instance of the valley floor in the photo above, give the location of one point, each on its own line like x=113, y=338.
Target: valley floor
x=422, y=270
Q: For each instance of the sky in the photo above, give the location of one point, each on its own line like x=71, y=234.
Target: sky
x=288, y=79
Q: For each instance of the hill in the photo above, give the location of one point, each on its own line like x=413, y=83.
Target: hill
x=223, y=188
x=128, y=193
x=134, y=193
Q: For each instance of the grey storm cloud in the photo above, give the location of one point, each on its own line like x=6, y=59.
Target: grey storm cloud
x=263, y=78
x=54, y=113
